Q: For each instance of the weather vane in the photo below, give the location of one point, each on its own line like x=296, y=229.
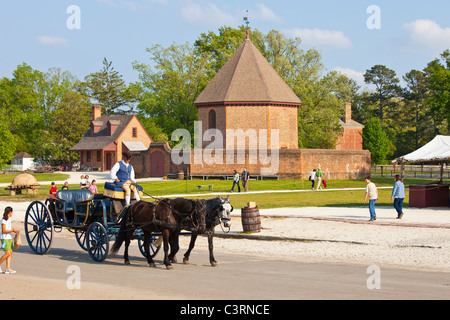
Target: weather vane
x=247, y=23
x=246, y=19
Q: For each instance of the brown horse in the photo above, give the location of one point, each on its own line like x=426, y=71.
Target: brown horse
x=166, y=216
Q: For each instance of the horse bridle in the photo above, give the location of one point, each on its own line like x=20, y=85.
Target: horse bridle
x=221, y=219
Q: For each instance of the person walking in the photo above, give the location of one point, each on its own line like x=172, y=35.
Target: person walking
x=398, y=195
x=319, y=176
x=7, y=239
x=245, y=178
x=236, y=181
x=312, y=178
x=372, y=193
x=123, y=175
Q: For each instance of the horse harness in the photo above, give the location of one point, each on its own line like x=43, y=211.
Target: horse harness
x=187, y=220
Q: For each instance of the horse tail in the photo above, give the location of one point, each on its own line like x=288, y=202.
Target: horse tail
x=122, y=232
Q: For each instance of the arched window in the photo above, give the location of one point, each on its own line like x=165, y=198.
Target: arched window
x=212, y=119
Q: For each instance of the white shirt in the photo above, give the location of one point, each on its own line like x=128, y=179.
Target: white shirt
x=7, y=223
x=312, y=175
x=371, y=189
x=115, y=169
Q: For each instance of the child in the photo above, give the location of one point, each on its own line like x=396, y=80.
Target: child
x=53, y=189
x=93, y=187
x=83, y=182
x=7, y=240
x=66, y=186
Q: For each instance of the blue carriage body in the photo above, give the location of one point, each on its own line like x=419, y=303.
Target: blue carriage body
x=94, y=218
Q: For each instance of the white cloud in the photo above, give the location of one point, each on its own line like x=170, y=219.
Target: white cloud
x=352, y=74
x=52, y=41
x=209, y=15
x=426, y=36
x=322, y=38
x=264, y=14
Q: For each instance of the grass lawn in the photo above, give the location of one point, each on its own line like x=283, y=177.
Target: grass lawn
x=303, y=198
x=8, y=178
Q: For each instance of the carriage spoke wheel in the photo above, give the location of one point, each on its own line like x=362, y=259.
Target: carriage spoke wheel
x=81, y=239
x=97, y=241
x=38, y=227
x=155, y=245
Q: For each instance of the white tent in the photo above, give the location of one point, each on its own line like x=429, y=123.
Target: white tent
x=437, y=150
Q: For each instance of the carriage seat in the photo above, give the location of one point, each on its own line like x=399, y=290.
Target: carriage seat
x=71, y=197
x=112, y=191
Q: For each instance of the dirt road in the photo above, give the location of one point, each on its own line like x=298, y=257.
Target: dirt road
x=67, y=272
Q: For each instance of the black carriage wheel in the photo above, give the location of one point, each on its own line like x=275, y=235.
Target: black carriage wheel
x=38, y=227
x=81, y=239
x=97, y=241
x=155, y=245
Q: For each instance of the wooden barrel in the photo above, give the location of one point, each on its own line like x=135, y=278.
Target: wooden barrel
x=251, y=220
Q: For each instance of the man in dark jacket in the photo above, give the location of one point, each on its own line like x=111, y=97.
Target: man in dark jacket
x=245, y=177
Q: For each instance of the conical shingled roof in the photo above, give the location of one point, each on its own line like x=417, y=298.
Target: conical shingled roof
x=247, y=77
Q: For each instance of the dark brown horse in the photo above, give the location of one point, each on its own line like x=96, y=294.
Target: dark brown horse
x=218, y=212
x=166, y=216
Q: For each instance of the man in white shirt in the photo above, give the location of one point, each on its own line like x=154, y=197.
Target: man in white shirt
x=123, y=175
x=312, y=178
x=372, y=193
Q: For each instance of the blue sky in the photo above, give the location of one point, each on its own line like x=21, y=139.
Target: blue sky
x=409, y=34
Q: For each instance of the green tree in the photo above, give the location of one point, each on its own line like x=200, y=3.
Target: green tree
x=220, y=46
x=169, y=88
x=439, y=83
x=386, y=94
x=7, y=145
x=24, y=105
x=376, y=140
x=69, y=122
x=108, y=89
x=416, y=121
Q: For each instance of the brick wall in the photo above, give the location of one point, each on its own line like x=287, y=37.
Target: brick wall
x=294, y=164
x=351, y=139
x=337, y=164
x=246, y=117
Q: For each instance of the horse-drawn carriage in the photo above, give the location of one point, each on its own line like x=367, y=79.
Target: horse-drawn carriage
x=98, y=219
x=94, y=219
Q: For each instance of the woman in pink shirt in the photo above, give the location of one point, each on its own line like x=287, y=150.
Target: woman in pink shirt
x=93, y=187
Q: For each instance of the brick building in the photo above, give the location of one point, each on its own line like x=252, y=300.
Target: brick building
x=102, y=145
x=248, y=117
x=247, y=94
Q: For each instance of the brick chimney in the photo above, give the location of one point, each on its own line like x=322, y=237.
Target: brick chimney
x=96, y=112
x=348, y=112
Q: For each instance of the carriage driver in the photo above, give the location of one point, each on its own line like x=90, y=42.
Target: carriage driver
x=123, y=175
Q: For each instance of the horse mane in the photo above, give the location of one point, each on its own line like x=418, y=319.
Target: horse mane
x=212, y=205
